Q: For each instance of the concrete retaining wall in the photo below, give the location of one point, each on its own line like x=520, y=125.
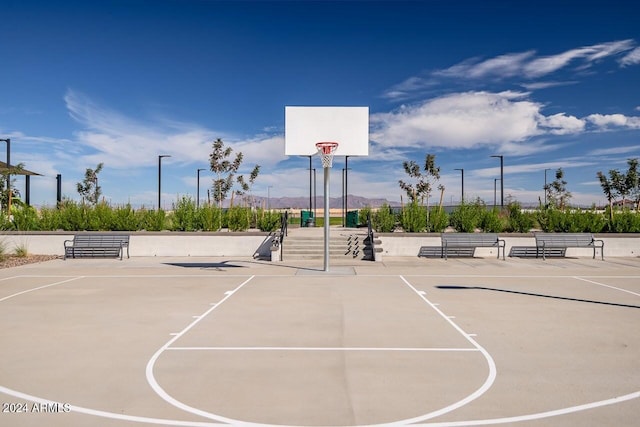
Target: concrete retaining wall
x=400, y=244
x=154, y=244
x=259, y=244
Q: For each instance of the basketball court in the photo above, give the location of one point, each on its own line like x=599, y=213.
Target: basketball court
x=205, y=341
x=408, y=341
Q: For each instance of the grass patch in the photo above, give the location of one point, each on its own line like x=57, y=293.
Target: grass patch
x=21, y=251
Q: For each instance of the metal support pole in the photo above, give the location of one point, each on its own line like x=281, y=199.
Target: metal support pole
x=198, y=189
x=346, y=188
x=501, y=182
x=501, y=179
x=9, y=173
x=315, y=197
x=8, y=141
x=326, y=219
x=344, y=215
x=27, y=190
x=159, y=180
x=59, y=188
x=310, y=183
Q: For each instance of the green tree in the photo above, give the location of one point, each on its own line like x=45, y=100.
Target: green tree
x=89, y=189
x=425, y=180
x=632, y=182
x=245, y=187
x=609, y=191
x=224, y=169
x=557, y=193
x=7, y=196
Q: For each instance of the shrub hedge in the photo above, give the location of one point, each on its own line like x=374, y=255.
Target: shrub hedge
x=186, y=216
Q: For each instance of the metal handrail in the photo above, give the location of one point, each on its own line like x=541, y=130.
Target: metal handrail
x=370, y=236
x=284, y=225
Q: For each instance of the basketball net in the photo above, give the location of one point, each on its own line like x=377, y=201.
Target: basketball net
x=326, y=150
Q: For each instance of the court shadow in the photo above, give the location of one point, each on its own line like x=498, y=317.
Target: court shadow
x=483, y=288
x=205, y=265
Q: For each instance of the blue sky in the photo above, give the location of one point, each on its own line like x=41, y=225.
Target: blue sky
x=545, y=84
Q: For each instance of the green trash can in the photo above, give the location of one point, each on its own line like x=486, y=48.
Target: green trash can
x=307, y=219
x=352, y=219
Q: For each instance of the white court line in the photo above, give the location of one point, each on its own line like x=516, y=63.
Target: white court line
x=148, y=420
x=515, y=276
x=539, y=415
x=319, y=349
x=40, y=287
x=607, y=286
x=476, y=394
x=166, y=396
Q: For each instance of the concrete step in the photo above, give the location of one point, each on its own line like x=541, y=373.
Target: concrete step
x=310, y=245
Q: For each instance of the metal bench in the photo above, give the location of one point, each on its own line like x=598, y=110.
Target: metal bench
x=95, y=245
x=567, y=240
x=454, y=242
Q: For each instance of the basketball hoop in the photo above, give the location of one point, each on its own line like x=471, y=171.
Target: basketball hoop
x=326, y=150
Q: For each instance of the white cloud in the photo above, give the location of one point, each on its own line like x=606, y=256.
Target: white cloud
x=546, y=85
x=530, y=168
x=122, y=142
x=265, y=150
x=605, y=121
x=518, y=65
x=410, y=86
x=631, y=58
x=469, y=120
x=561, y=124
x=614, y=150
x=507, y=65
x=549, y=64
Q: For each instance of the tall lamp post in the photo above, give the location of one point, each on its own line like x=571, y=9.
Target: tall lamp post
x=198, y=189
x=160, y=177
x=462, y=176
x=8, y=141
x=545, y=186
x=501, y=180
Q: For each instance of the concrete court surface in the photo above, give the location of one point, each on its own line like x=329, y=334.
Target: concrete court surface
x=206, y=341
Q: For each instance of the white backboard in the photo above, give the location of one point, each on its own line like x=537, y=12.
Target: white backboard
x=348, y=126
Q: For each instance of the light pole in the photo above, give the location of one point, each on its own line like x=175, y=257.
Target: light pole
x=545, y=186
x=462, y=176
x=501, y=180
x=198, y=188
x=160, y=177
x=495, y=180
x=8, y=141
